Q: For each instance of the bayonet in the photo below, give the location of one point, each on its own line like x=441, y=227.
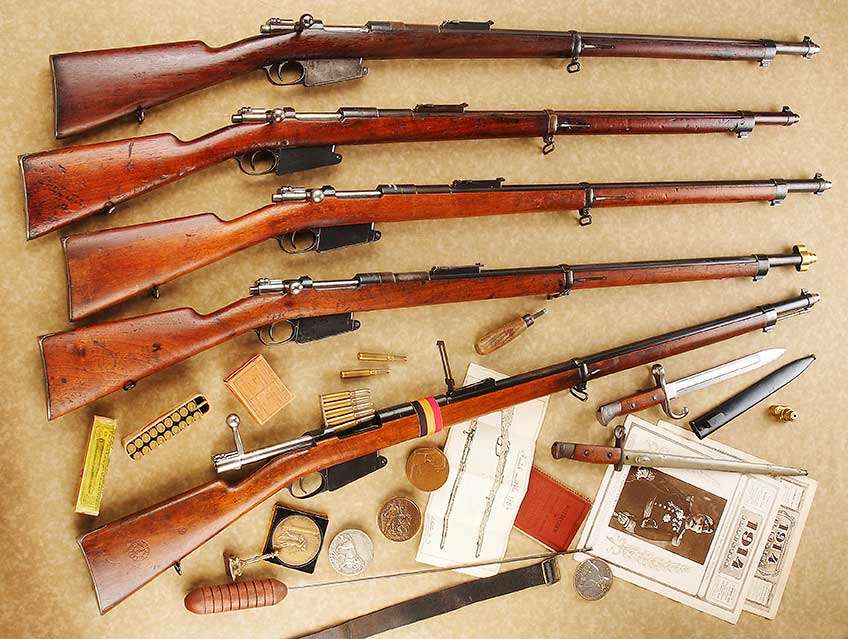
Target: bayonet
x=665, y=391
x=619, y=456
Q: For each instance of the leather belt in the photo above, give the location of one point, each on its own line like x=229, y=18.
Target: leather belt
x=442, y=601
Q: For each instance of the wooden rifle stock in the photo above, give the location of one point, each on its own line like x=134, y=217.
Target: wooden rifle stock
x=86, y=363
x=124, y=555
x=72, y=183
x=89, y=362
x=95, y=87
x=109, y=266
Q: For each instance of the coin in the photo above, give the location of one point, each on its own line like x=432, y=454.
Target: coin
x=427, y=468
x=296, y=540
x=350, y=552
x=593, y=579
x=399, y=519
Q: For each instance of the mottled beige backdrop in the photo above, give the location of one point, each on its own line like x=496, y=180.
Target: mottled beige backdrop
x=45, y=589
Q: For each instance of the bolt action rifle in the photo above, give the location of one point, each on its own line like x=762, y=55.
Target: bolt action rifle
x=109, y=266
x=124, y=555
x=86, y=363
x=95, y=87
x=65, y=185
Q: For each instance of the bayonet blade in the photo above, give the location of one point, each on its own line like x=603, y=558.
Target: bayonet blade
x=647, y=459
x=722, y=372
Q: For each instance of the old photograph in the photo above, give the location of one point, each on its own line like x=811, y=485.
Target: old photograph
x=668, y=513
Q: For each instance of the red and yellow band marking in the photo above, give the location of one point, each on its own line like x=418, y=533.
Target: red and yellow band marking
x=429, y=416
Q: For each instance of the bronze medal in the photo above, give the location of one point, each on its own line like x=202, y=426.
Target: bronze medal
x=427, y=468
x=296, y=540
x=399, y=519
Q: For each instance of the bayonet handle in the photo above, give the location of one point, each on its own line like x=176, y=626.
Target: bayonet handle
x=632, y=404
x=586, y=453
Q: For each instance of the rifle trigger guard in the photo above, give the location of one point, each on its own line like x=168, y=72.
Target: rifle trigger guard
x=275, y=70
x=585, y=218
x=288, y=243
x=658, y=372
x=576, y=50
x=579, y=389
x=266, y=334
x=252, y=159
x=552, y=120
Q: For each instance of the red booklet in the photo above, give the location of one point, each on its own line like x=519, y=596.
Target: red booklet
x=551, y=513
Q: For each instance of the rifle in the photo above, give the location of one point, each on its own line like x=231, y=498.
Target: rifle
x=86, y=363
x=109, y=266
x=95, y=87
x=127, y=553
x=69, y=184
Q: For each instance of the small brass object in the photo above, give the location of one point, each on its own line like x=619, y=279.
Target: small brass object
x=156, y=432
x=807, y=256
x=363, y=372
x=783, y=413
x=346, y=409
x=344, y=395
x=380, y=357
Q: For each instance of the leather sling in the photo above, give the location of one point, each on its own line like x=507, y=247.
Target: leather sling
x=442, y=601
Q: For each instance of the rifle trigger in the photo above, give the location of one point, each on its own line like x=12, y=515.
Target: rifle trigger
x=340, y=475
x=328, y=238
x=276, y=72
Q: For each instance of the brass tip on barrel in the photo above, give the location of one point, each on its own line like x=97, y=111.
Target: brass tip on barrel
x=807, y=256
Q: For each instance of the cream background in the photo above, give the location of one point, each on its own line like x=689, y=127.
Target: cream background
x=45, y=589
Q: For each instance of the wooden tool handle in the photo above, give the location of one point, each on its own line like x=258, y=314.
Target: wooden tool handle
x=240, y=595
x=632, y=404
x=501, y=336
